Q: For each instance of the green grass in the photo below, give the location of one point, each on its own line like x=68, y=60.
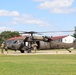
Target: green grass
x=38, y=64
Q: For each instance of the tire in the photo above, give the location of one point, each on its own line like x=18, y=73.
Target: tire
x=22, y=51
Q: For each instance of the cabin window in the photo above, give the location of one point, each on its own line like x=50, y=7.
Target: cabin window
x=26, y=43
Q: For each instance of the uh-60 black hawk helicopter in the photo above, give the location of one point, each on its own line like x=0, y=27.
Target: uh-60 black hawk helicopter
x=25, y=43
x=42, y=43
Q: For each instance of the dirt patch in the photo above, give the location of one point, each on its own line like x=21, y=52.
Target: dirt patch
x=40, y=52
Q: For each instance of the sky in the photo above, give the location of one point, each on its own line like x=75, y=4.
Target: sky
x=38, y=15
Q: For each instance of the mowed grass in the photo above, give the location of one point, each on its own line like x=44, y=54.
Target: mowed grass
x=64, y=64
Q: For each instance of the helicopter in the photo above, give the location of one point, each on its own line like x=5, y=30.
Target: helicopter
x=24, y=43
x=43, y=42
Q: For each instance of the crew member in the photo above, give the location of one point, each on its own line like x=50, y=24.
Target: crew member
x=34, y=46
x=29, y=47
x=2, y=47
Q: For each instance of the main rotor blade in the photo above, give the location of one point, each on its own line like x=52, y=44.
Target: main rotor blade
x=30, y=32
x=57, y=31
x=40, y=33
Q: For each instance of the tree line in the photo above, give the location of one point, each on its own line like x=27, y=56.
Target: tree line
x=8, y=34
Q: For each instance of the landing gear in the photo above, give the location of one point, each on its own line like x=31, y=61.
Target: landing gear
x=29, y=50
x=68, y=50
x=22, y=51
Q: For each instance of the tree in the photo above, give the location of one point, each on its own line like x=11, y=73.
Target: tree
x=74, y=33
x=8, y=34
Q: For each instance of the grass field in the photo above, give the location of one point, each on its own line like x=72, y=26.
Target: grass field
x=61, y=64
